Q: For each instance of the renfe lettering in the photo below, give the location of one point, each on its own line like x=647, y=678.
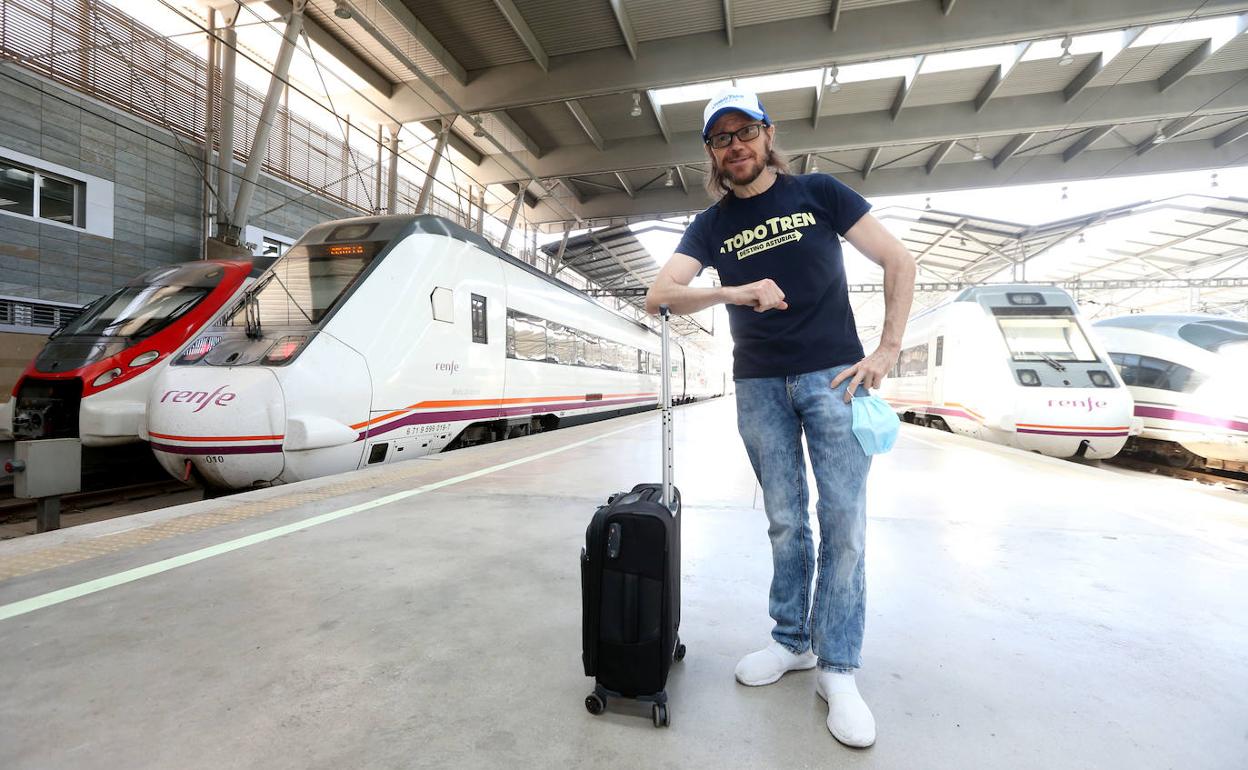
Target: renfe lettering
x=201, y=397
x=1079, y=403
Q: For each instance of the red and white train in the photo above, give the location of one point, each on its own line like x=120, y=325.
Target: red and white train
x=91, y=379
x=1014, y=365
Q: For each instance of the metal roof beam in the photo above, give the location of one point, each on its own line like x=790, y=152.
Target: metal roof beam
x=1099, y=63
x=582, y=117
x=907, y=85
x=519, y=133
x=626, y=27
x=680, y=174
x=658, y=116
x=872, y=157
x=728, y=20
x=322, y=37
x=571, y=187
x=524, y=32
x=896, y=180
x=1172, y=129
x=457, y=142
x=871, y=34
x=939, y=155
x=946, y=6
x=1012, y=148
x=628, y=188
x=1198, y=57
x=820, y=90
x=1123, y=104
x=1089, y=138
x=404, y=16
x=1232, y=134
x=999, y=75
x=835, y=14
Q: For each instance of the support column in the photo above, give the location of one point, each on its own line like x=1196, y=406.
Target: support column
x=515, y=211
x=392, y=195
x=225, y=157
x=481, y=211
x=430, y=178
x=209, y=210
x=264, y=129
x=381, y=149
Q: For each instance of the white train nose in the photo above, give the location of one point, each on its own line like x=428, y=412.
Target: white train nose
x=224, y=424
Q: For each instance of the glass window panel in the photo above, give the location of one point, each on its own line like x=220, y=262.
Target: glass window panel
x=562, y=342
x=530, y=338
x=1032, y=338
x=57, y=201
x=17, y=189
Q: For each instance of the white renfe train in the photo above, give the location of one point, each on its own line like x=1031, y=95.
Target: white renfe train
x=1012, y=365
x=1189, y=376
x=380, y=339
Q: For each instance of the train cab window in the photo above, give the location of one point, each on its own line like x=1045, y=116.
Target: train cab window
x=1212, y=335
x=1051, y=336
x=1149, y=372
x=479, y=331
x=442, y=300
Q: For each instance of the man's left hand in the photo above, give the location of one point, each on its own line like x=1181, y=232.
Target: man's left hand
x=870, y=371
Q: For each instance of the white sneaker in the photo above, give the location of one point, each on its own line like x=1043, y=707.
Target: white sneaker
x=849, y=719
x=770, y=663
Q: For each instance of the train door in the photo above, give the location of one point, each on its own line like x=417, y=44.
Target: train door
x=937, y=370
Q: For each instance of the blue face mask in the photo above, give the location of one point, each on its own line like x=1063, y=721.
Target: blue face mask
x=875, y=424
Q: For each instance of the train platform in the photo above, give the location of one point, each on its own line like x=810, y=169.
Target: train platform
x=1023, y=612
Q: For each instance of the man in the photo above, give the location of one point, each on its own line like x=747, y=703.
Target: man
x=775, y=240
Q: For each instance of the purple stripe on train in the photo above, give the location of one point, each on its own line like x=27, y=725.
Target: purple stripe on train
x=253, y=449
x=421, y=418
x=1067, y=433
x=1164, y=413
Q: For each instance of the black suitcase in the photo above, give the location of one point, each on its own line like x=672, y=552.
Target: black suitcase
x=630, y=585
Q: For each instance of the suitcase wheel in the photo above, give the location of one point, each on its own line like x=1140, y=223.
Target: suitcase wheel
x=679, y=654
x=658, y=712
x=594, y=704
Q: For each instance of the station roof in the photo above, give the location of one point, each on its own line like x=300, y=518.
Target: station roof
x=596, y=106
x=1182, y=254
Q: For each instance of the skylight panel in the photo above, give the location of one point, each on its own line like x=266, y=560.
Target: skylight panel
x=876, y=70
x=1003, y=55
x=696, y=92
x=781, y=82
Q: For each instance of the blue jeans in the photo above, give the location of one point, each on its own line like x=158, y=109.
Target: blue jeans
x=772, y=415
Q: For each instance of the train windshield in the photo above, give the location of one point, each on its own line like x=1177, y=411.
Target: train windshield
x=147, y=304
x=1214, y=334
x=1050, y=337
x=306, y=284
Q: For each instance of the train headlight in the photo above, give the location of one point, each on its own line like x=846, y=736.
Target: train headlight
x=198, y=349
x=284, y=350
x=143, y=359
x=1029, y=377
x=106, y=377
x=1101, y=379
x=1025, y=298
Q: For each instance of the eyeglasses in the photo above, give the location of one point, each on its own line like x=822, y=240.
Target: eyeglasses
x=745, y=134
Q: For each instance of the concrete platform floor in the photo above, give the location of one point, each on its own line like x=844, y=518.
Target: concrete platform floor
x=1024, y=612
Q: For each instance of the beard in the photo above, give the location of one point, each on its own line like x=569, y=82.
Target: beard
x=742, y=176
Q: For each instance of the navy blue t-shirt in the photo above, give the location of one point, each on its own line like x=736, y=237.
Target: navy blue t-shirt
x=790, y=234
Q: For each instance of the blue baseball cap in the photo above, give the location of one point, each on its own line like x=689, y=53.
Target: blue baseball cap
x=731, y=99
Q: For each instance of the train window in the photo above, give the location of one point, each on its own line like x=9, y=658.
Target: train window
x=561, y=343
x=1149, y=372
x=1037, y=338
x=135, y=312
x=530, y=338
x=912, y=362
x=1212, y=335
x=940, y=350
x=479, y=331
x=443, y=301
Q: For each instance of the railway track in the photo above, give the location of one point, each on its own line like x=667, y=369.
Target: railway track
x=1227, y=479
x=14, y=509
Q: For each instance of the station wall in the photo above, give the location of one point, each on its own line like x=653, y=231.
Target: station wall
x=156, y=199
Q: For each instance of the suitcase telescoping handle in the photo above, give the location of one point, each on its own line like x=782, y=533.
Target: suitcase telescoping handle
x=666, y=386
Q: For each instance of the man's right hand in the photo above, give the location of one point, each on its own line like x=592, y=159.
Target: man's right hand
x=761, y=295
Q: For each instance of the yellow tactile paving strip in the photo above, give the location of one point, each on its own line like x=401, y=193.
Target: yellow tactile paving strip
x=70, y=553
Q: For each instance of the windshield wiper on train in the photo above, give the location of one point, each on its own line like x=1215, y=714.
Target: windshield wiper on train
x=1045, y=357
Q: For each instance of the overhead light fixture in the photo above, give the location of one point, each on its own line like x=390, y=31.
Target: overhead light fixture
x=1081, y=238
x=636, y=111
x=1213, y=179
x=670, y=182
x=978, y=154
x=928, y=205
x=1067, y=57
x=814, y=166
x=341, y=10
x=1160, y=135
x=833, y=85
x=1065, y=197
x=477, y=129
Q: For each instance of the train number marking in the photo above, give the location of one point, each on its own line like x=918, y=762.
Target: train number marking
x=212, y=459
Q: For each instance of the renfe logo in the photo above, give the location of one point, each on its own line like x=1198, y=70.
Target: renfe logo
x=448, y=366
x=201, y=397
x=1080, y=403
